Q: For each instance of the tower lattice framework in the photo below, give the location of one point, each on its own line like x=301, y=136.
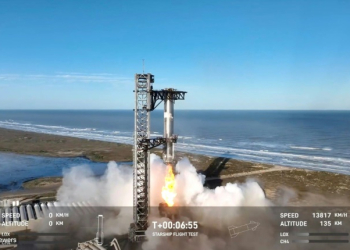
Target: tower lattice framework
x=143, y=87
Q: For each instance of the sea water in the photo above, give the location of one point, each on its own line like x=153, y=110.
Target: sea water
x=318, y=140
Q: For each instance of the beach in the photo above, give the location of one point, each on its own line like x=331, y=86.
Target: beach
x=300, y=186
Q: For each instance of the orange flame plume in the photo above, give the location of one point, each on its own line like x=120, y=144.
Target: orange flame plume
x=168, y=190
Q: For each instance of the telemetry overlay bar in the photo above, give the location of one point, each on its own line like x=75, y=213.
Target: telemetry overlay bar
x=321, y=241
x=322, y=234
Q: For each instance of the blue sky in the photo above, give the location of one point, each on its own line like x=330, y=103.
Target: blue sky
x=226, y=54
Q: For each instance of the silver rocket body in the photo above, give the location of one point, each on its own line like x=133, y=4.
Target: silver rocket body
x=168, y=149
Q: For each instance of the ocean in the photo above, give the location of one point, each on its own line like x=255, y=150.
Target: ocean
x=317, y=140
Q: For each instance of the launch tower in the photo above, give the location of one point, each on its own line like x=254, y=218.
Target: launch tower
x=146, y=100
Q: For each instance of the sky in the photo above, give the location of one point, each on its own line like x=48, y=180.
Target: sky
x=226, y=54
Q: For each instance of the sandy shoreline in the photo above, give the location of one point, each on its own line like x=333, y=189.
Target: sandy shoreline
x=305, y=187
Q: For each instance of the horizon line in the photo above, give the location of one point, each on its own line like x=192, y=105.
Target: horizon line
x=177, y=109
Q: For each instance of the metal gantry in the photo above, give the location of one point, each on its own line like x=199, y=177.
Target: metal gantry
x=143, y=87
x=146, y=101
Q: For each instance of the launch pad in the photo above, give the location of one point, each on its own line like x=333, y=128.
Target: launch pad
x=146, y=100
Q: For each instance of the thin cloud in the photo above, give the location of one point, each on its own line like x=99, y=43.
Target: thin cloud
x=68, y=77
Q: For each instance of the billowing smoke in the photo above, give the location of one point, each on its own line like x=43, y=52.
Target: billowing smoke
x=191, y=190
x=215, y=210
x=115, y=188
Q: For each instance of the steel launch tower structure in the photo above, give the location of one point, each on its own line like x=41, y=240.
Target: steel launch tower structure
x=146, y=100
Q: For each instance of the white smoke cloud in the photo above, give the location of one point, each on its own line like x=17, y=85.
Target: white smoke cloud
x=213, y=209
x=191, y=192
x=115, y=188
x=157, y=179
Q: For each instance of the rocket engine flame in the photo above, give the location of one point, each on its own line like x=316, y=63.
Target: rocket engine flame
x=168, y=190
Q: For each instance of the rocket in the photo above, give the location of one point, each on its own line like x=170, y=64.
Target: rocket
x=168, y=148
